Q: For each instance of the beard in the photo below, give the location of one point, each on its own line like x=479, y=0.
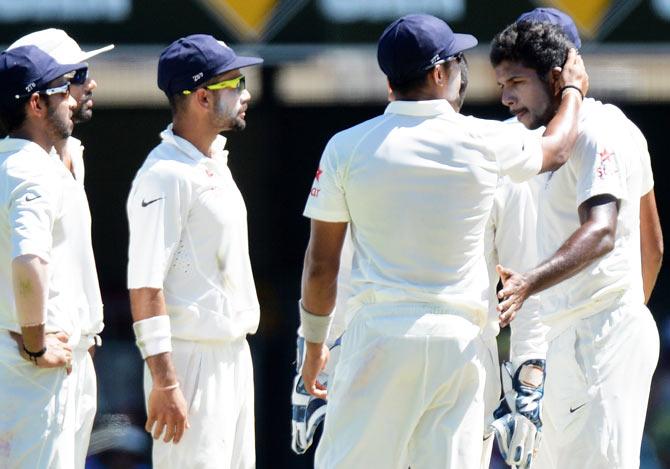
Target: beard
x=83, y=112
x=227, y=117
x=59, y=127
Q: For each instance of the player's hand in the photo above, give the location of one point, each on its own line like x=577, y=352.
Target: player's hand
x=518, y=418
x=516, y=289
x=316, y=357
x=58, y=354
x=573, y=73
x=166, y=413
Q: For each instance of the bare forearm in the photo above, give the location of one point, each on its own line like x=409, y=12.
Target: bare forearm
x=319, y=287
x=651, y=243
x=146, y=303
x=585, y=245
x=30, y=286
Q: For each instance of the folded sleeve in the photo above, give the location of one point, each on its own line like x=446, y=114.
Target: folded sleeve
x=326, y=200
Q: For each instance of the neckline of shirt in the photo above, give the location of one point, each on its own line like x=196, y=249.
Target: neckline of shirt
x=15, y=144
x=218, y=146
x=432, y=107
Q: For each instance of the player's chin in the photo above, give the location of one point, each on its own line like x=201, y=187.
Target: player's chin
x=239, y=124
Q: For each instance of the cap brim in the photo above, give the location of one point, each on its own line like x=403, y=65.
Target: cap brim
x=239, y=62
x=62, y=69
x=87, y=55
x=463, y=42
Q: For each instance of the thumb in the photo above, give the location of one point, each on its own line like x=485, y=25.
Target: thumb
x=503, y=272
x=62, y=336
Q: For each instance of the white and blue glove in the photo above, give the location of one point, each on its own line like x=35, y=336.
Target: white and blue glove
x=518, y=418
x=308, y=411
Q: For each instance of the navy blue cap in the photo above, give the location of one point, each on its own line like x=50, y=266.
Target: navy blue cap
x=557, y=17
x=411, y=45
x=28, y=69
x=192, y=60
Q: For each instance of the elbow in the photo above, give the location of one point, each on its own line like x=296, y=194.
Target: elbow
x=607, y=237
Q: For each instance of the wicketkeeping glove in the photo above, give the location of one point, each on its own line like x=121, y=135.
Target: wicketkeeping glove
x=308, y=411
x=518, y=421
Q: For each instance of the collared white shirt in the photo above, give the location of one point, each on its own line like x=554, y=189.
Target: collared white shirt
x=37, y=218
x=417, y=184
x=609, y=157
x=188, y=236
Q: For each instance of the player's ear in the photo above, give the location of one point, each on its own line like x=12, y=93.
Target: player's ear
x=36, y=106
x=202, y=97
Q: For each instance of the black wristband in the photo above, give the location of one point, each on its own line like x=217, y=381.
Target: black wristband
x=33, y=356
x=574, y=87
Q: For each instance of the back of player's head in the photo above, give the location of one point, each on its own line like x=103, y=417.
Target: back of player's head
x=414, y=44
x=536, y=45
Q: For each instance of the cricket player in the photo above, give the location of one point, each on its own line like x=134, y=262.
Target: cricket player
x=308, y=412
x=192, y=291
x=70, y=151
x=416, y=185
x=39, y=228
x=602, y=341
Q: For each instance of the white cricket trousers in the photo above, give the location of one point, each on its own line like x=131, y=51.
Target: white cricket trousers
x=492, y=391
x=36, y=430
x=407, y=391
x=597, y=389
x=83, y=398
x=217, y=381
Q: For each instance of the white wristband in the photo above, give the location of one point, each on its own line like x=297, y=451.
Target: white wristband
x=315, y=328
x=153, y=335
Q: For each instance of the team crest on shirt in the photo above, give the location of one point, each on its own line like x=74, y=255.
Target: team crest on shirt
x=318, y=174
x=606, y=164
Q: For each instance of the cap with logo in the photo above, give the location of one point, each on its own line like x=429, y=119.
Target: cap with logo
x=413, y=44
x=557, y=17
x=191, y=61
x=27, y=69
x=58, y=45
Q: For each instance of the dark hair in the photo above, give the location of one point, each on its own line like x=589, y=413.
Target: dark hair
x=12, y=116
x=409, y=86
x=176, y=102
x=536, y=45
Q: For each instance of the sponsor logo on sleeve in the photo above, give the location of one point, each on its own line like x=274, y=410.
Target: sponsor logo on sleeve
x=149, y=202
x=606, y=164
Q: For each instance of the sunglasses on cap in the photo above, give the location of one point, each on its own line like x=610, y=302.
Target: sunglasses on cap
x=238, y=84
x=457, y=57
x=63, y=89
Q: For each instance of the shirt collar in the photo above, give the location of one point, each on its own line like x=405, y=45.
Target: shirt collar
x=433, y=107
x=9, y=144
x=219, y=153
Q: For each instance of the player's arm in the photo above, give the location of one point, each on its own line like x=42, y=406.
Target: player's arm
x=319, y=292
x=651, y=242
x=166, y=410
x=30, y=282
x=592, y=240
x=561, y=131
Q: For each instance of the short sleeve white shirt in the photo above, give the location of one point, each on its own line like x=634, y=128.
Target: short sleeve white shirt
x=610, y=157
x=188, y=236
x=417, y=186
x=34, y=220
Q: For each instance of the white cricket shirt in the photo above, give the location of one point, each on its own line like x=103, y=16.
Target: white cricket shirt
x=38, y=216
x=511, y=241
x=416, y=185
x=609, y=157
x=89, y=300
x=188, y=236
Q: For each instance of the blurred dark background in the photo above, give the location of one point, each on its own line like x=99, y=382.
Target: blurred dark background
x=320, y=77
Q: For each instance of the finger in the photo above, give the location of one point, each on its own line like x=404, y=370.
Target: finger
x=158, y=429
x=179, y=431
x=62, y=336
x=315, y=391
x=170, y=430
x=151, y=420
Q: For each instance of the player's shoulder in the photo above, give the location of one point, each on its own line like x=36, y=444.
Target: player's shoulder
x=354, y=134
x=165, y=162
